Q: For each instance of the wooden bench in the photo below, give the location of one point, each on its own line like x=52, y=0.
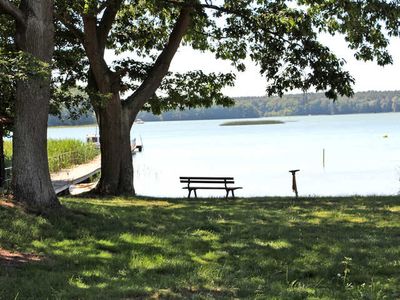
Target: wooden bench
x=209, y=183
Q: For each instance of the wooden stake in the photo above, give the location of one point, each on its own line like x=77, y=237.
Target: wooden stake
x=294, y=184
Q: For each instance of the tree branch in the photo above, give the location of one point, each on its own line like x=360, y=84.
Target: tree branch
x=95, y=54
x=68, y=22
x=12, y=10
x=207, y=5
x=107, y=21
x=135, y=102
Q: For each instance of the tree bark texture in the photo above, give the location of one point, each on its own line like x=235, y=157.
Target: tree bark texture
x=126, y=185
x=31, y=179
x=116, y=156
x=109, y=118
x=115, y=144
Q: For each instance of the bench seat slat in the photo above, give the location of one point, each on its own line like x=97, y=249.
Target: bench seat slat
x=212, y=188
x=228, y=178
x=209, y=181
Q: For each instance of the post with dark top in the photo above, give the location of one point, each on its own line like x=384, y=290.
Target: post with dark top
x=294, y=184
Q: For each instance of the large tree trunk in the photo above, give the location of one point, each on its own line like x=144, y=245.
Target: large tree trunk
x=116, y=156
x=31, y=179
x=126, y=185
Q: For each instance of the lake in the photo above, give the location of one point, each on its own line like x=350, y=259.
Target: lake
x=362, y=155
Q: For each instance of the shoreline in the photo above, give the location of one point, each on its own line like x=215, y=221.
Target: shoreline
x=226, y=119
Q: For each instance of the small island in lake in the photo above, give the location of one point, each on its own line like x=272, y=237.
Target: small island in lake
x=252, y=122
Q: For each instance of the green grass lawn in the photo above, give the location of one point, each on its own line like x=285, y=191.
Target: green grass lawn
x=265, y=248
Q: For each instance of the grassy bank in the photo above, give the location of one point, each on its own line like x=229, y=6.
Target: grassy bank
x=62, y=153
x=7, y=153
x=252, y=122
x=266, y=248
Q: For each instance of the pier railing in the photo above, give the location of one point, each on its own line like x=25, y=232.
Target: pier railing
x=58, y=162
x=7, y=181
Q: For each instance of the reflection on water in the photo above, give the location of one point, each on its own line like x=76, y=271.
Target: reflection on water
x=361, y=155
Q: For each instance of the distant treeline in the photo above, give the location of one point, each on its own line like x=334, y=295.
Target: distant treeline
x=288, y=105
x=85, y=119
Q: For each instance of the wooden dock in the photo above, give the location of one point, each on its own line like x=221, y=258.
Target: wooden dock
x=63, y=179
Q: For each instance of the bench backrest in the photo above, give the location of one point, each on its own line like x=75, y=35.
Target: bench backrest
x=209, y=180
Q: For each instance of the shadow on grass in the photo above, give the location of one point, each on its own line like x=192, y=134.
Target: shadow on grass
x=207, y=248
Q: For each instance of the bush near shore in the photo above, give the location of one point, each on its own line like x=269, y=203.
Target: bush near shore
x=256, y=248
x=62, y=153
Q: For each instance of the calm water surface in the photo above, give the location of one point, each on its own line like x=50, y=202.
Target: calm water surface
x=359, y=158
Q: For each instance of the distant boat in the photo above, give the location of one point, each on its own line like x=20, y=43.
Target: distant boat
x=76, y=189
x=139, y=121
x=93, y=138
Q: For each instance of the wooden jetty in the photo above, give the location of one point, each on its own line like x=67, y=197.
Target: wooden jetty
x=65, y=178
x=71, y=178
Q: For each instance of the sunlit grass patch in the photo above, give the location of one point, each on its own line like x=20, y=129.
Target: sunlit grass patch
x=278, y=244
x=205, y=235
x=142, y=239
x=394, y=208
x=214, y=255
x=332, y=216
x=266, y=248
x=147, y=262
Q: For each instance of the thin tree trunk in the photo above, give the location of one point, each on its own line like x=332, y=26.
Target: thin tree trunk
x=31, y=179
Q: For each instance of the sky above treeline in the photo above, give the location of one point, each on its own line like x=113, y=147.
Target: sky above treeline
x=368, y=75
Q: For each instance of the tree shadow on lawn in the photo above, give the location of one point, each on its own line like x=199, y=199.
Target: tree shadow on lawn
x=214, y=248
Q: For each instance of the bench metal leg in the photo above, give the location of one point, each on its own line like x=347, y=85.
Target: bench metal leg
x=190, y=192
x=227, y=193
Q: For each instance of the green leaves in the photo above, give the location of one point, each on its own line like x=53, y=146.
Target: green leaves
x=17, y=66
x=190, y=90
x=365, y=24
x=21, y=66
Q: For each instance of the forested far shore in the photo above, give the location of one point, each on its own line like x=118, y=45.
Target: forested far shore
x=257, y=107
